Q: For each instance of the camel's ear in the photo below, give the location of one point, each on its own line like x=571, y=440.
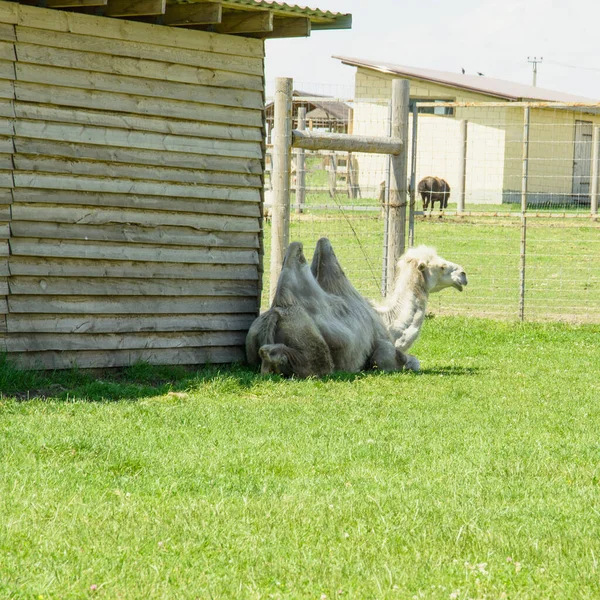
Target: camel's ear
x=422, y=266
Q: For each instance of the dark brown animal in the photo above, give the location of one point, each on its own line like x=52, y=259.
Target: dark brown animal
x=432, y=190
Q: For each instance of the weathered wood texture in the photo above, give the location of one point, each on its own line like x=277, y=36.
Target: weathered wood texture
x=311, y=140
x=131, y=170
x=7, y=59
x=92, y=359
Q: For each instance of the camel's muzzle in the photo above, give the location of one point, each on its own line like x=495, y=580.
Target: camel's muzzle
x=460, y=281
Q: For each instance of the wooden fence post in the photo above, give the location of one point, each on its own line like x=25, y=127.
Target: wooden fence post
x=280, y=174
x=462, y=166
x=301, y=165
x=595, y=171
x=398, y=179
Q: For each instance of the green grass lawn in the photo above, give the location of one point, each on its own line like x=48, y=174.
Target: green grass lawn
x=477, y=478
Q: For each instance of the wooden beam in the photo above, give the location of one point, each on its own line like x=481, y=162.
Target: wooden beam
x=286, y=28
x=135, y=8
x=246, y=22
x=342, y=142
x=201, y=13
x=341, y=22
x=74, y=3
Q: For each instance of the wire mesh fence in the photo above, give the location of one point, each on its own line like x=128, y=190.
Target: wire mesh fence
x=497, y=159
x=522, y=210
x=328, y=196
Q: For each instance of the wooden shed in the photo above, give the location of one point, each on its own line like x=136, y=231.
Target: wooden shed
x=132, y=163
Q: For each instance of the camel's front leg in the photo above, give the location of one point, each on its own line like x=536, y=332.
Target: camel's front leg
x=404, y=339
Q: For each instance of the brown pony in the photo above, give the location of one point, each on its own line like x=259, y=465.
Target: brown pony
x=434, y=189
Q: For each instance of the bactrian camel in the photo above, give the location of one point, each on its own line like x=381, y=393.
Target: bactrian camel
x=308, y=331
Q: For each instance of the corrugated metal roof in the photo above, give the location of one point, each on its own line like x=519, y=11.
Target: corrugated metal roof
x=285, y=8
x=498, y=88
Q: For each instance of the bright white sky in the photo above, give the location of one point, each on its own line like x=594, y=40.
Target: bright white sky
x=491, y=36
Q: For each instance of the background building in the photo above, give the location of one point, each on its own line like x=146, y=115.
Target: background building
x=560, y=139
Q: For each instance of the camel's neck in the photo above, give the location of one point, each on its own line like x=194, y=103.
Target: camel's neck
x=405, y=309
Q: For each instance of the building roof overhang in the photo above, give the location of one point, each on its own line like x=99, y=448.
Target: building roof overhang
x=262, y=19
x=495, y=88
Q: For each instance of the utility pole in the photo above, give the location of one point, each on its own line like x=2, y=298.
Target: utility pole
x=534, y=61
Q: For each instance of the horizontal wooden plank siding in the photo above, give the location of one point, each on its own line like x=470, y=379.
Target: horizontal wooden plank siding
x=72, y=267
x=131, y=123
x=19, y=323
x=77, y=53
x=92, y=37
x=82, y=183
x=85, y=215
x=35, y=163
x=7, y=75
x=33, y=342
x=106, y=286
x=131, y=174
x=92, y=359
x=131, y=305
x=74, y=78
x=157, y=158
x=135, y=201
x=134, y=252
x=126, y=138
x=127, y=103
x=171, y=236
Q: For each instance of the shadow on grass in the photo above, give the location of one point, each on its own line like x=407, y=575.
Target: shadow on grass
x=143, y=380
x=450, y=370
x=138, y=381
x=462, y=371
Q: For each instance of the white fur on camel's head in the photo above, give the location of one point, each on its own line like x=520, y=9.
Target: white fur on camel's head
x=419, y=272
x=437, y=272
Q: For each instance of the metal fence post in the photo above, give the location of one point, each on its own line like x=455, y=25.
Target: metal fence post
x=280, y=174
x=524, y=182
x=462, y=166
x=301, y=165
x=398, y=179
x=595, y=171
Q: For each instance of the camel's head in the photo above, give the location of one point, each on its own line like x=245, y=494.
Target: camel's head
x=438, y=272
x=277, y=359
